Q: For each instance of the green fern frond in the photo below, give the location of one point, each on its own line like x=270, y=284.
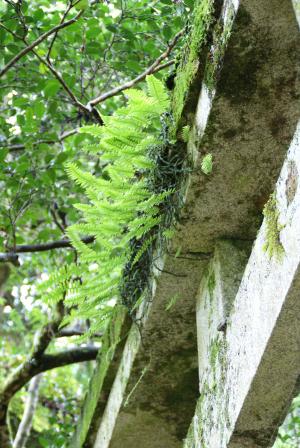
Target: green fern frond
x=94, y=130
x=146, y=244
x=158, y=91
x=122, y=212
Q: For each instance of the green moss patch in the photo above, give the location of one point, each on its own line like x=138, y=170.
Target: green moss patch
x=273, y=246
x=221, y=35
x=189, y=64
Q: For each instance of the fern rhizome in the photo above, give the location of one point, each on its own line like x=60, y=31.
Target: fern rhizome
x=130, y=209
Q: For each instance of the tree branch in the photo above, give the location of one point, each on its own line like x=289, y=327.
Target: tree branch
x=67, y=357
x=40, y=39
x=150, y=70
x=66, y=333
x=19, y=146
x=32, y=367
x=10, y=31
x=39, y=362
x=47, y=362
x=91, y=111
x=28, y=248
x=89, y=108
x=61, y=138
x=22, y=248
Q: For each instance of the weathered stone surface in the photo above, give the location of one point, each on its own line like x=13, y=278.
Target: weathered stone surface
x=246, y=117
x=249, y=344
x=163, y=401
x=216, y=296
x=247, y=126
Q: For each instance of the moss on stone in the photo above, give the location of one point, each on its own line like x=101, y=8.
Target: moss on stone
x=273, y=246
x=214, y=353
x=221, y=35
x=211, y=392
x=189, y=64
x=211, y=284
x=189, y=441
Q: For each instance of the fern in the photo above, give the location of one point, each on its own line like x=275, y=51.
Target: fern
x=122, y=213
x=207, y=164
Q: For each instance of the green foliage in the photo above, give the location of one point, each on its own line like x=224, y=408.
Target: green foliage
x=121, y=207
x=207, y=164
x=172, y=302
x=185, y=133
x=289, y=431
x=111, y=43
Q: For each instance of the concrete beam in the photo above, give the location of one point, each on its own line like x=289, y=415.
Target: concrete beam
x=246, y=117
x=249, y=342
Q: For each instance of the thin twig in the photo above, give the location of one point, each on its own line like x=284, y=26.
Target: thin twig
x=64, y=85
x=56, y=221
x=20, y=146
x=69, y=7
x=40, y=39
x=10, y=31
x=164, y=271
x=152, y=69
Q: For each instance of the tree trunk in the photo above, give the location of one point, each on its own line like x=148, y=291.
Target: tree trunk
x=30, y=406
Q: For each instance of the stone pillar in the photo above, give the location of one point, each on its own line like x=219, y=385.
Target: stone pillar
x=249, y=341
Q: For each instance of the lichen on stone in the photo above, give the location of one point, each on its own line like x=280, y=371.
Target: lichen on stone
x=273, y=246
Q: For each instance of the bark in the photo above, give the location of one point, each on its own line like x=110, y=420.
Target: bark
x=67, y=357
